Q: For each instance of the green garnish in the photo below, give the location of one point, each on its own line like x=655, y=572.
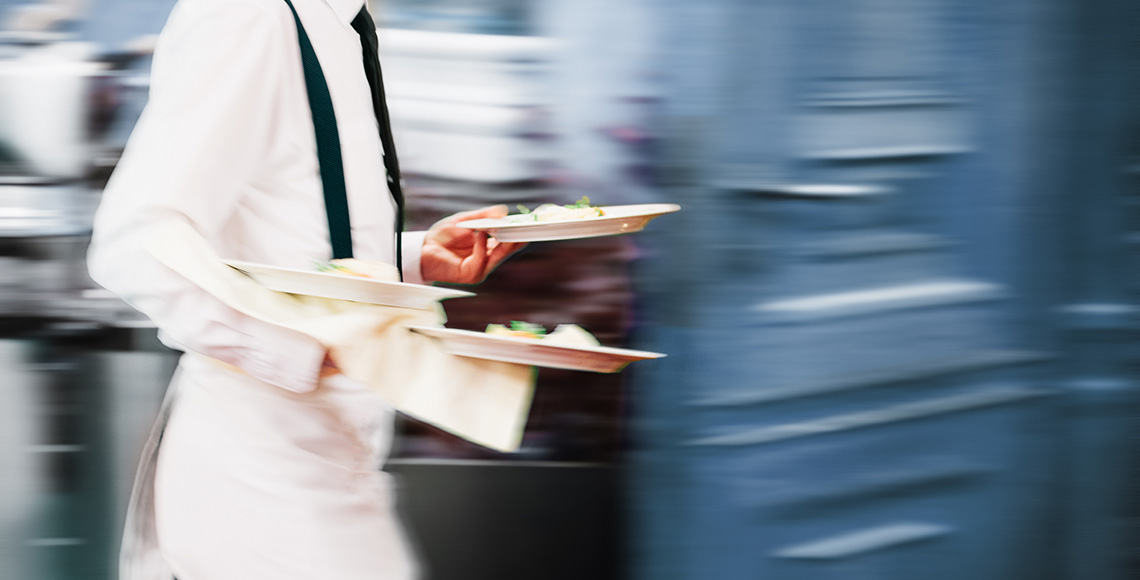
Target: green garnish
x=522, y=208
x=329, y=267
x=584, y=202
x=530, y=327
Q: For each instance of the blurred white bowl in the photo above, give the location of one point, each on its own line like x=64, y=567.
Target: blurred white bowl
x=43, y=105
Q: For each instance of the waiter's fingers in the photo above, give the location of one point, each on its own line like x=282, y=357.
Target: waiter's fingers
x=501, y=251
x=474, y=266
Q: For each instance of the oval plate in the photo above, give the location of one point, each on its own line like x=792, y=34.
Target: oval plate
x=528, y=351
x=618, y=219
x=341, y=287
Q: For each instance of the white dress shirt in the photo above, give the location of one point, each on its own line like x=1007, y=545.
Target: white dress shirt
x=226, y=144
x=271, y=473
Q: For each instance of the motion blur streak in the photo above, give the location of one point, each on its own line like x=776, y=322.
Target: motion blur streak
x=899, y=301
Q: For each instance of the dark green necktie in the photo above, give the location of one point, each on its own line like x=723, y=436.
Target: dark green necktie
x=366, y=27
x=328, y=146
x=328, y=138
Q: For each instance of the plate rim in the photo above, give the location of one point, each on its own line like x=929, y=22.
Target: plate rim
x=672, y=208
x=449, y=292
x=610, y=350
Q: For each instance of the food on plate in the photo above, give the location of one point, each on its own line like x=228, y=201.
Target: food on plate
x=517, y=329
x=571, y=335
x=563, y=335
x=551, y=212
x=360, y=269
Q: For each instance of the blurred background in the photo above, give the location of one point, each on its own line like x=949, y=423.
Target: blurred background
x=900, y=302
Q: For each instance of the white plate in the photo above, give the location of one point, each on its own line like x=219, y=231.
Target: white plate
x=343, y=287
x=618, y=219
x=527, y=351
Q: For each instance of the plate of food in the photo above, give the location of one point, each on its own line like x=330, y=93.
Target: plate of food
x=568, y=347
x=551, y=221
x=355, y=280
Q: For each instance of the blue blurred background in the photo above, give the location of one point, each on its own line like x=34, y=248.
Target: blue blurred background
x=899, y=303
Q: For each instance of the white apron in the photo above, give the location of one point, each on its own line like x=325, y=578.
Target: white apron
x=255, y=482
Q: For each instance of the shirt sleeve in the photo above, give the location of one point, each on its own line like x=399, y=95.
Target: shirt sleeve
x=204, y=133
x=413, y=245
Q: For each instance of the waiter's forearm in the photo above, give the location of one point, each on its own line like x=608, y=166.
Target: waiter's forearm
x=192, y=320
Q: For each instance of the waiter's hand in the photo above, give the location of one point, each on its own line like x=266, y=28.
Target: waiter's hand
x=328, y=367
x=461, y=255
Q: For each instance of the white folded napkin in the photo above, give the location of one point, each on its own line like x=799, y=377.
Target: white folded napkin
x=483, y=401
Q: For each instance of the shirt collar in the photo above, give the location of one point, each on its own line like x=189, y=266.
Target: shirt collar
x=346, y=9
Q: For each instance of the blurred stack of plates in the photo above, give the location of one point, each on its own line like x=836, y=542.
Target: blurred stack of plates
x=33, y=206
x=44, y=227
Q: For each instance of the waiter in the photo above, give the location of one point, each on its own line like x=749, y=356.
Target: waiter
x=268, y=467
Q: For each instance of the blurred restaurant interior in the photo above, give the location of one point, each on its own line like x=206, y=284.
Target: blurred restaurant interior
x=898, y=303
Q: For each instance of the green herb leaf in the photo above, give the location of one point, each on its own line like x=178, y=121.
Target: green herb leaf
x=327, y=266
x=535, y=329
x=584, y=202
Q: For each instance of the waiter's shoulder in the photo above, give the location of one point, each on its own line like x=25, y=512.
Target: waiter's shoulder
x=258, y=13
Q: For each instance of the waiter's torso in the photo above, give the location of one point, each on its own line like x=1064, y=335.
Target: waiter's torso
x=280, y=216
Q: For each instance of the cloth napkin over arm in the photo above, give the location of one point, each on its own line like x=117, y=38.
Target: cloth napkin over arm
x=483, y=401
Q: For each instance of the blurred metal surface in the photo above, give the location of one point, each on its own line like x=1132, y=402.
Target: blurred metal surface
x=471, y=107
x=894, y=304
x=128, y=380
x=44, y=230
x=44, y=104
x=487, y=17
x=20, y=487
x=33, y=206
